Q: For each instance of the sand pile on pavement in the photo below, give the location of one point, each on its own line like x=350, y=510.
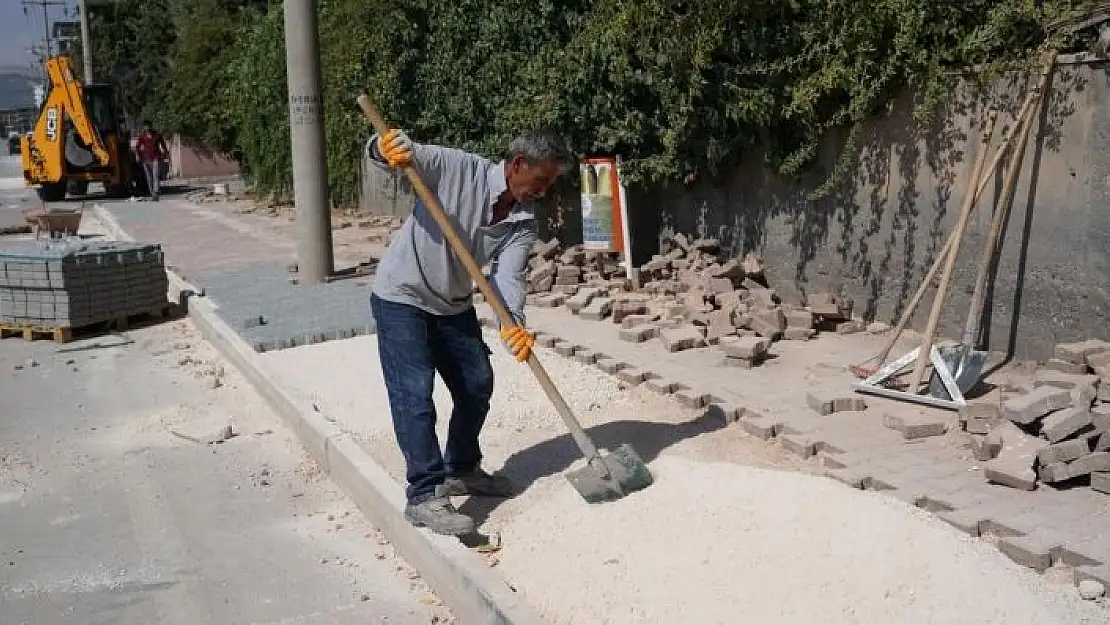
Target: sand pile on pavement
x=722, y=543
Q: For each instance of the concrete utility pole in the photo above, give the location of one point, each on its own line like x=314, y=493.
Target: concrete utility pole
x=315, y=261
x=86, y=42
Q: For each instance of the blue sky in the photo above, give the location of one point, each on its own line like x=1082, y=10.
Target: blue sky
x=18, y=31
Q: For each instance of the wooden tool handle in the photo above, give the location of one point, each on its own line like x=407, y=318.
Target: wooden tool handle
x=431, y=203
x=925, y=355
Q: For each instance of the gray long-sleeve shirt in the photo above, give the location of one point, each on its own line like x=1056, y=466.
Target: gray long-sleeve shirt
x=421, y=270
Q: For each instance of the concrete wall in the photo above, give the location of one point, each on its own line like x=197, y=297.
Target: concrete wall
x=876, y=236
x=190, y=160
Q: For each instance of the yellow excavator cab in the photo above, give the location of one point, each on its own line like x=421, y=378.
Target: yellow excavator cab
x=79, y=138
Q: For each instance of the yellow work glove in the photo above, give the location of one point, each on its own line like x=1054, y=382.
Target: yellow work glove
x=395, y=147
x=519, y=341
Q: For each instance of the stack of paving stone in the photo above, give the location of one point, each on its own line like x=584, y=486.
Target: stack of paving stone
x=1055, y=432
x=71, y=284
x=691, y=296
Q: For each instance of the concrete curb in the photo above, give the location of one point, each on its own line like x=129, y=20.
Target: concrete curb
x=474, y=592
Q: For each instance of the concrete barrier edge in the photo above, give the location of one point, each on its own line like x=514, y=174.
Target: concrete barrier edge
x=475, y=593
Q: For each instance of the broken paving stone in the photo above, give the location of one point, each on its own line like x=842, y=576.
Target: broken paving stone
x=1098, y=461
x=1061, y=424
x=826, y=403
x=915, y=425
x=720, y=325
x=1078, y=352
x=1028, y=408
x=681, y=338
x=980, y=417
x=638, y=334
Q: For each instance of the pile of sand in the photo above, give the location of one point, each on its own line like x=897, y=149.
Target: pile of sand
x=722, y=543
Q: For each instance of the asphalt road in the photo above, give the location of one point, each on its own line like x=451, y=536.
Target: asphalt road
x=116, y=508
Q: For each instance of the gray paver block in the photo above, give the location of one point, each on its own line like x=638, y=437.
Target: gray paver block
x=745, y=347
x=851, y=476
x=1014, y=465
x=798, y=334
x=987, y=447
x=631, y=375
x=1028, y=408
x=632, y=321
x=598, y=309
x=1064, y=451
x=681, y=338
x=1098, y=461
x=661, y=385
x=585, y=356
x=610, y=365
x=964, y=521
x=638, y=334
x=801, y=319
x=1049, y=377
x=829, y=402
x=1061, y=424
x=759, y=426
x=723, y=413
x=581, y=299
x=1033, y=551
x=546, y=340
x=1063, y=366
x=798, y=444
x=1100, y=481
x=566, y=348
x=769, y=323
x=916, y=424
x=1078, y=352
x=691, y=398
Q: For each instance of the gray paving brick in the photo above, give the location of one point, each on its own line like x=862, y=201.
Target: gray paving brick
x=1100, y=482
x=691, y=398
x=962, y=520
x=1078, y=352
x=829, y=402
x=1061, y=424
x=639, y=333
x=1033, y=550
x=1028, y=408
x=566, y=348
x=1065, y=451
x=661, y=385
x=631, y=375
x=915, y=425
x=610, y=365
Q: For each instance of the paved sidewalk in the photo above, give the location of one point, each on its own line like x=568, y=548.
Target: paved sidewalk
x=245, y=270
x=1037, y=529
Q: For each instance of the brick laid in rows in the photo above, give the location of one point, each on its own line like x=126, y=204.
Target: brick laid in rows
x=638, y=334
x=682, y=338
x=631, y=375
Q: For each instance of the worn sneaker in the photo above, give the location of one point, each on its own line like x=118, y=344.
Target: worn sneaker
x=438, y=515
x=478, y=483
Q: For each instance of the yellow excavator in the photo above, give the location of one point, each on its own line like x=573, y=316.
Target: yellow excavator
x=79, y=138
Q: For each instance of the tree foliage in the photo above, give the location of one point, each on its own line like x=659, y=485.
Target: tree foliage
x=681, y=88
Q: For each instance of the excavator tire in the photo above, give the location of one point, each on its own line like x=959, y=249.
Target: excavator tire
x=77, y=187
x=52, y=192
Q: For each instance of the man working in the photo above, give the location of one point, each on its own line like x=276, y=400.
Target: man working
x=425, y=316
x=152, y=149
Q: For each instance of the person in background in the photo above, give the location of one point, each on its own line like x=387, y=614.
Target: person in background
x=152, y=150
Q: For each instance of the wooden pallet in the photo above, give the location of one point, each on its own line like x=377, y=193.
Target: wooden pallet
x=67, y=334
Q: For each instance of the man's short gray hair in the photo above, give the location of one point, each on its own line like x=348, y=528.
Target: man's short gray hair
x=541, y=145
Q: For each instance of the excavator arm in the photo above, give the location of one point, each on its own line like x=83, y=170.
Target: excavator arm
x=71, y=93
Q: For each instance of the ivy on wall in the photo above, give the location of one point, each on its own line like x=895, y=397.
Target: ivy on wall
x=682, y=88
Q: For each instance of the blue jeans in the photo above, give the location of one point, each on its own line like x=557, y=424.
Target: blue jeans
x=413, y=345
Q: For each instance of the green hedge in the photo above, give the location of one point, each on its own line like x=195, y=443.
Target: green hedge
x=683, y=89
